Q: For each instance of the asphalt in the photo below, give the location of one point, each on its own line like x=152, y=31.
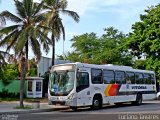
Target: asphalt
x=10, y=108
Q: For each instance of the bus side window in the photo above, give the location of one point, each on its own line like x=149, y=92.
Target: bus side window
x=108, y=77
x=120, y=77
x=152, y=78
x=96, y=76
x=82, y=81
x=139, y=78
x=147, y=78
x=130, y=78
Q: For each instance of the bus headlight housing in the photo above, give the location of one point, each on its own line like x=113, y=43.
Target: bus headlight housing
x=71, y=96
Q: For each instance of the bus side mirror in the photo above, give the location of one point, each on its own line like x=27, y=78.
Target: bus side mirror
x=78, y=75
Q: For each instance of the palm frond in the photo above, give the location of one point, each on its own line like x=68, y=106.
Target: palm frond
x=62, y=28
x=38, y=8
x=21, y=41
x=72, y=14
x=13, y=40
x=56, y=30
x=63, y=4
x=2, y=21
x=28, y=6
x=44, y=27
x=20, y=9
x=36, y=48
x=40, y=18
x=9, y=29
x=6, y=40
x=50, y=2
x=10, y=16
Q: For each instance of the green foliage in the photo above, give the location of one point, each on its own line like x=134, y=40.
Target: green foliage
x=106, y=49
x=144, y=41
x=32, y=72
x=32, y=68
x=139, y=64
x=4, y=94
x=8, y=73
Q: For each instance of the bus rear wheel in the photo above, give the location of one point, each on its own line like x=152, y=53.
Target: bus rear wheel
x=74, y=108
x=96, y=103
x=138, y=100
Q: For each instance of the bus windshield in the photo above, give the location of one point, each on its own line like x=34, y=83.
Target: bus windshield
x=61, y=82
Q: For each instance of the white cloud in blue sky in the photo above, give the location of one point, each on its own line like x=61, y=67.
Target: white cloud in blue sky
x=96, y=15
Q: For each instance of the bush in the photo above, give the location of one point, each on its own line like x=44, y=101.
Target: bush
x=6, y=94
x=8, y=73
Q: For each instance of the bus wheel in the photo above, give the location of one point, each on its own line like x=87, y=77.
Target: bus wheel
x=118, y=104
x=138, y=99
x=74, y=108
x=97, y=103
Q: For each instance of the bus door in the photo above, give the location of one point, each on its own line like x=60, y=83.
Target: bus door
x=82, y=87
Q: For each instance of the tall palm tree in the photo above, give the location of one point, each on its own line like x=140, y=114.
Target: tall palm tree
x=53, y=10
x=27, y=31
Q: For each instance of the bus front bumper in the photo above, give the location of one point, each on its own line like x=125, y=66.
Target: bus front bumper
x=66, y=102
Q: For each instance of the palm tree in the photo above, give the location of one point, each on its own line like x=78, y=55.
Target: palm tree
x=2, y=60
x=53, y=10
x=2, y=23
x=27, y=31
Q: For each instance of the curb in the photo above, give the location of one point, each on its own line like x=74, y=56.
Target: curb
x=34, y=111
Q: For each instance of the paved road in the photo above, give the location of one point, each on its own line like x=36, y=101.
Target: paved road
x=147, y=111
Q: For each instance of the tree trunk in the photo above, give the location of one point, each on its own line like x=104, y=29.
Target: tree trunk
x=53, y=49
x=23, y=74
x=26, y=52
x=24, y=68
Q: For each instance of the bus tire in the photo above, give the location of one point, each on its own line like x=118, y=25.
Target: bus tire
x=74, y=108
x=138, y=99
x=97, y=102
x=118, y=104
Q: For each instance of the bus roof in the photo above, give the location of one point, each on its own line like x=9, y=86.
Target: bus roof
x=108, y=66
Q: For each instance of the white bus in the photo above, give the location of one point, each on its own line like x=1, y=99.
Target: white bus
x=80, y=84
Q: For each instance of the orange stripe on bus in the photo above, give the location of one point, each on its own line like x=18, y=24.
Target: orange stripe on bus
x=111, y=90
x=107, y=89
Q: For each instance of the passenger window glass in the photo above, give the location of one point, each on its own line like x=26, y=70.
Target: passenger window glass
x=119, y=77
x=130, y=78
x=108, y=77
x=97, y=76
x=152, y=78
x=147, y=78
x=139, y=78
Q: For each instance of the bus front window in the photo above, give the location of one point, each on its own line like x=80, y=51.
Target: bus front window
x=61, y=82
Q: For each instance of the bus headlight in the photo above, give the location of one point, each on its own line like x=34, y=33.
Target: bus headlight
x=71, y=96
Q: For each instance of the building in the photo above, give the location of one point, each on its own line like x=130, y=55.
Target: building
x=45, y=64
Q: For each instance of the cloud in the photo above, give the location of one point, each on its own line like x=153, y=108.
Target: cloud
x=82, y=6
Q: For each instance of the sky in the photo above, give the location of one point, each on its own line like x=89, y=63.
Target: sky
x=95, y=15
